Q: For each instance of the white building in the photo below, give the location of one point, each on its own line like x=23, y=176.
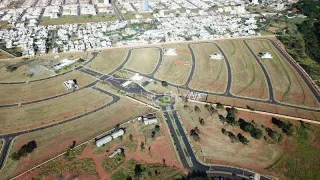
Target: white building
x=118, y=133
x=103, y=140
x=71, y=84
x=265, y=55
x=216, y=56
x=151, y=120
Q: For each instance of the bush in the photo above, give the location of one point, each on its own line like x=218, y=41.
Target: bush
x=242, y=139
x=231, y=116
x=286, y=127
x=220, y=106
x=164, y=83
x=255, y=132
x=24, y=150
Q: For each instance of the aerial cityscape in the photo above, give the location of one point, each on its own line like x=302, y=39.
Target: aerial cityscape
x=159, y=89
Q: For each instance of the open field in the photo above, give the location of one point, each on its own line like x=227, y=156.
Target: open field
x=42, y=113
x=287, y=84
x=260, y=106
x=4, y=55
x=210, y=74
x=143, y=60
x=108, y=60
x=77, y=19
x=61, y=137
x=290, y=156
x=36, y=65
x=175, y=69
x=16, y=93
x=248, y=79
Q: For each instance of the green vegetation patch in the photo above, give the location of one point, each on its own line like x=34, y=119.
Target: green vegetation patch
x=111, y=164
x=56, y=167
x=302, y=156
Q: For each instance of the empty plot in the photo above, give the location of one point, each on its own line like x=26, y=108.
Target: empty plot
x=109, y=60
x=61, y=137
x=42, y=113
x=210, y=74
x=143, y=60
x=17, y=93
x=287, y=84
x=248, y=79
x=175, y=69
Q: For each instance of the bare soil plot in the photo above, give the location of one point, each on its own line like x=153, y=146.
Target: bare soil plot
x=108, y=60
x=287, y=84
x=175, y=69
x=210, y=74
x=143, y=60
x=42, y=113
x=248, y=79
x=5, y=55
x=16, y=93
x=216, y=147
x=61, y=137
x=39, y=66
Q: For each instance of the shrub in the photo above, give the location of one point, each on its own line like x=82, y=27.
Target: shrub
x=164, y=83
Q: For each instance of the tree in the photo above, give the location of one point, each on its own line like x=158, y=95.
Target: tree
x=201, y=121
x=195, y=134
x=131, y=137
x=153, y=134
x=142, y=145
x=243, y=139
x=185, y=107
x=164, y=83
x=138, y=170
x=24, y=150
x=273, y=134
x=222, y=118
x=286, y=127
x=220, y=106
x=157, y=128
x=197, y=109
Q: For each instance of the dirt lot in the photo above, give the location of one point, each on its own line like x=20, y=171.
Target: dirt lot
x=16, y=93
x=288, y=86
x=108, y=60
x=215, y=147
x=143, y=60
x=175, y=69
x=38, y=64
x=210, y=74
x=61, y=137
x=4, y=55
x=248, y=79
x=141, y=133
x=42, y=113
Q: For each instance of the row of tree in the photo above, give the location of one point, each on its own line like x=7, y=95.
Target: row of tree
x=286, y=127
x=254, y=131
x=234, y=138
x=24, y=150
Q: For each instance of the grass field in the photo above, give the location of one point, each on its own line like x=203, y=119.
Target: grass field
x=42, y=113
x=210, y=74
x=288, y=86
x=217, y=148
x=296, y=156
x=175, y=69
x=108, y=60
x=248, y=79
x=77, y=19
x=143, y=60
x=16, y=93
x=148, y=173
x=39, y=64
x=61, y=137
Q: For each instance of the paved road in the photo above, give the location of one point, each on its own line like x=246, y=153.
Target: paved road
x=116, y=10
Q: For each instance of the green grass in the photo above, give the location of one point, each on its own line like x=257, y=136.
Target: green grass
x=164, y=172
x=77, y=19
x=110, y=164
x=72, y=154
x=56, y=167
x=302, y=161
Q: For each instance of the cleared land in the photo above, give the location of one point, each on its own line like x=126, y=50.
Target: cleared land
x=39, y=114
x=248, y=79
x=143, y=60
x=287, y=84
x=61, y=137
x=210, y=74
x=5, y=55
x=108, y=60
x=175, y=69
x=16, y=93
x=77, y=19
x=296, y=156
x=37, y=66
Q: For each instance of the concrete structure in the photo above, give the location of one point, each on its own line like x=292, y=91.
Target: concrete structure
x=118, y=133
x=265, y=55
x=103, y=140
x=118, y=151
x=71, y=84
x=216, y=56
x=150, y=120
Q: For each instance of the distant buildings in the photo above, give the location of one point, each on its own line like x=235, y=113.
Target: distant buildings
x=144, y=6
